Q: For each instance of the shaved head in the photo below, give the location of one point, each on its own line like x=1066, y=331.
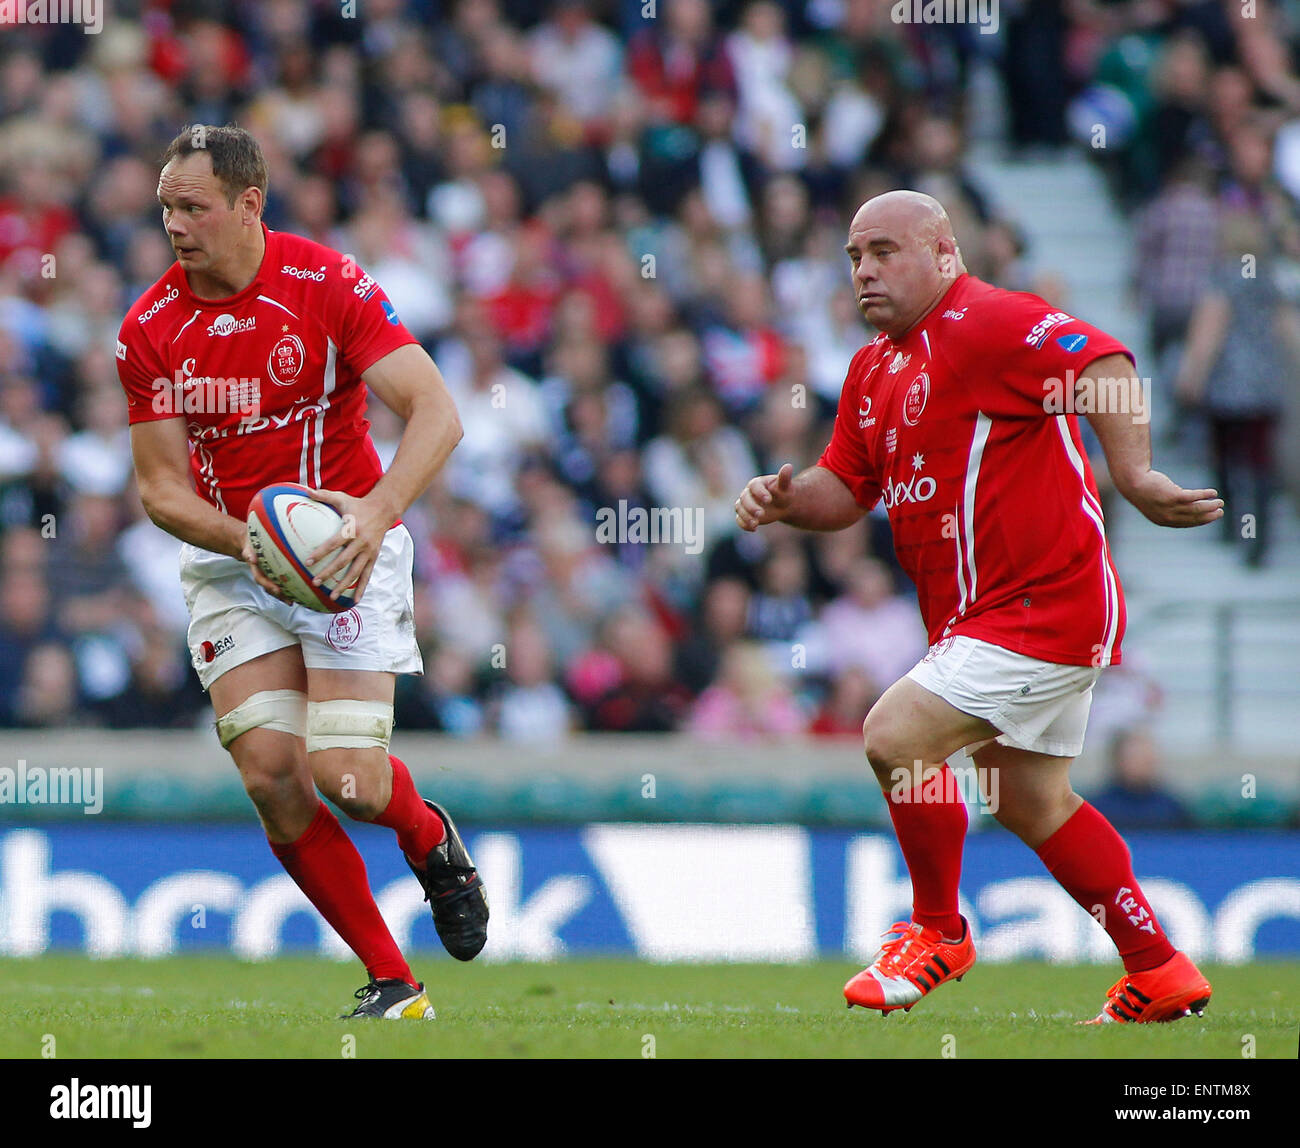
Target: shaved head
x=904, y=256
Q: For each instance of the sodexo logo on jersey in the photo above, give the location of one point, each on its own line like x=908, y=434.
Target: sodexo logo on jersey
x=317, y=276
x=918, y=488
x=229, y=325
x=158, y=305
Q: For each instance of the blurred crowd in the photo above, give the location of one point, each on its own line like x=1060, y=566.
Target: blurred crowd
x=621, y=238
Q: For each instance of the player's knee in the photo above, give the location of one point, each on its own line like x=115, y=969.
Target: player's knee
x=886, y=750
x=272, y=778
x=347, y=746
x=357, y=796
x=1032, y=815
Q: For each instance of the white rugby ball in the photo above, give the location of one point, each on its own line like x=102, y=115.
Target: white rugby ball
x=285, y=525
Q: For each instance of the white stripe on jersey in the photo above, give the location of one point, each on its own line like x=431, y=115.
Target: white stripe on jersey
x=303, y=477
x=209, y=476
x=179, y=333
x=331, y=356
x=983, y=425
x=961, y=571
x=268, y=299
x=926, y=336
x=1093, y=510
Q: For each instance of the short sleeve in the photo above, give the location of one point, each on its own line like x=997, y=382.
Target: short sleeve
x=1021, y=354
x=362, y=321
x=846, y=455
x=144, y=378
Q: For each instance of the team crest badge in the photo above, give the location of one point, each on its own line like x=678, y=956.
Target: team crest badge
x=914, y=400
x=284, y=364
x=344, y=630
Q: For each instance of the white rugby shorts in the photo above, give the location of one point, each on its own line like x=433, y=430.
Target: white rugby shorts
x=233, y=620
x=1039, y=706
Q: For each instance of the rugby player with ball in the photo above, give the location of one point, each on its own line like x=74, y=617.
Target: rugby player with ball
x=246, y=366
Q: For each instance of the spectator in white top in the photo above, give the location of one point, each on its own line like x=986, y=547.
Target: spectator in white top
x=578, y=60
x=871, y=628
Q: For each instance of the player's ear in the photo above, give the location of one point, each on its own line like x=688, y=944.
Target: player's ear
x=251, y=203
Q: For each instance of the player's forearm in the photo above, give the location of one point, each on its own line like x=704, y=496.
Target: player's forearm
x=184, y=515
x=1126, y=442
x=432, y=431
x=821, y=501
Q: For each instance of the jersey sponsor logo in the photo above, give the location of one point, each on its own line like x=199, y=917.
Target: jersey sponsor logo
x=391, y=312
x=1072, y=343
x=211, y=651
x=865, y=418
x=918, y=488
x=1038, y=333
x=317, y=276
x=344, y=630
x=296, y=413
x=951, y=313
x=918, y=392
x=158, y=305
x=190, y=394
x=284, y=363
x=365, y=287
x=900, y=361
x=229, y=325
x=121, y=350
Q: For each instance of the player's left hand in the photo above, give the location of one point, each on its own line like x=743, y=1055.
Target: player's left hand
x=364, y=527
x=1167, y=504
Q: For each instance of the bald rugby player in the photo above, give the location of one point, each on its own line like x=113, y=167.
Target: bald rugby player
x=953, y=415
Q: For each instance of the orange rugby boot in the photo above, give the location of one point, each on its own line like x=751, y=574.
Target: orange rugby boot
x=1168, y=992
x=916, y=961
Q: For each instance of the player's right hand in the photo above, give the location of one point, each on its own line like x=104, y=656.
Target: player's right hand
x=258, y=577
x=765, y=499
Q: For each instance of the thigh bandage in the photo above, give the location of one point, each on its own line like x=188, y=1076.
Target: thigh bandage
x=283, y=710
x=346, y=724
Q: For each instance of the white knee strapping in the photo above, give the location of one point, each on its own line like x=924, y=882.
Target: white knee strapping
x=346, y=724
x=283, y=710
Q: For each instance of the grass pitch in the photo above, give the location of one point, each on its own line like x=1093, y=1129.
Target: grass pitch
x=198, y=1007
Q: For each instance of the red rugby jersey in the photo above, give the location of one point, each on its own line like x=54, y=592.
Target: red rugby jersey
x=269, y=380
x=991, y=500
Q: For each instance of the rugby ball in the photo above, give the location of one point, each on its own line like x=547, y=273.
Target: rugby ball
x=285, y=525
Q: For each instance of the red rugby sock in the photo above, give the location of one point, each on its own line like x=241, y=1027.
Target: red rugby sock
x=327, y=867
x=1092, y=863
x=930, y=821
x=418, y=828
